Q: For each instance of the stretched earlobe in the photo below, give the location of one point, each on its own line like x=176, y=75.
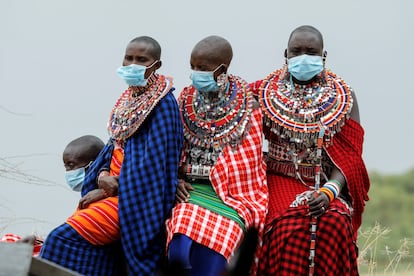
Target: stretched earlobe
x=225, y=68
x=324, y=77
x=222, y=69
x=158, y=65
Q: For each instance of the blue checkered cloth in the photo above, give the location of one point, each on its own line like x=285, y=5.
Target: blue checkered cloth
x=67, y=248
x=147, y=185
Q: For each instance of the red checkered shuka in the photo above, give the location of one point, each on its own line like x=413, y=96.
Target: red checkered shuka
x=286, y=241
x=239, y=179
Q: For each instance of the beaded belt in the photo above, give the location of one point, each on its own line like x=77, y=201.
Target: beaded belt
x=198, y=173
x=306, y=171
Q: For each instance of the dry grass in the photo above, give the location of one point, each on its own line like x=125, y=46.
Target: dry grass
x=370, y=253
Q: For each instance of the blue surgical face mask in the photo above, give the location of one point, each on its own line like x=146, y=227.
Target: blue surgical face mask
x=75, y=178
x=204, y=80
x=134, y=74
x=305, y=67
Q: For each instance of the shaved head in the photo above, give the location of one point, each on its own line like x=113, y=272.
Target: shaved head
x=155, y=46
x=214, y=48
x=308, y=29
x=85, y=147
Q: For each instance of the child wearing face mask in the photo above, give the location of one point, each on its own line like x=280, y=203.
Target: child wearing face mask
x=77, y=156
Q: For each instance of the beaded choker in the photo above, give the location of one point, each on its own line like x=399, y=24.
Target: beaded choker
x=211, y=125
x=299, y=112
x=134, y=105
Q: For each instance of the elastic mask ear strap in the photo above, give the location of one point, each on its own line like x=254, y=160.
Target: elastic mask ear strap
x=218, y=67
x=87, y=166
x=149, y=67
x=222, y=73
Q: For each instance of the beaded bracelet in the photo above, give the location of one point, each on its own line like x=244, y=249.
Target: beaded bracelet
x=328, y=192
x=332, y=188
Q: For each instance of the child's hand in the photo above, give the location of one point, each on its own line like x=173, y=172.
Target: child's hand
x=109, y=184
x=91, y=197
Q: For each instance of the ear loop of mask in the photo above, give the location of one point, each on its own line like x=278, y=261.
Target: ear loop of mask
x=87, y=166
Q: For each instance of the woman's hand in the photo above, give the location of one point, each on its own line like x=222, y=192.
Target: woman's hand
x=109, y=184
x=91, y=197
x=183, y=191
x=318, y=204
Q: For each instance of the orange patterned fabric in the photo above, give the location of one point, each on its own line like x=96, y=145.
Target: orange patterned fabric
x=116, y=161
x=99, y=222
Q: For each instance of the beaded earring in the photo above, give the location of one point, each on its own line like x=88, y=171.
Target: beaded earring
x=222, y=81
x=285, y=73
x=323, y=75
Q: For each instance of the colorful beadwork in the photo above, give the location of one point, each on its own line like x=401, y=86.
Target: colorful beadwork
x=212, y=123
x=302, y=119
x=294, y=116
x=134, y=105
x=298, y=111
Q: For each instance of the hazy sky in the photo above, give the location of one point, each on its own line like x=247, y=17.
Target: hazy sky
x=58, y=61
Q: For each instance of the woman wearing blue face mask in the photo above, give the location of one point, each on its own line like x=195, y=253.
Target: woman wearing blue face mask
x=317, y=179
x=134, y=177
x=77, y=157
x=222, y=186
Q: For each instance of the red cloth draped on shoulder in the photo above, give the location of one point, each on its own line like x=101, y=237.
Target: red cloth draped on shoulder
x=346, y=153
x=286, y=242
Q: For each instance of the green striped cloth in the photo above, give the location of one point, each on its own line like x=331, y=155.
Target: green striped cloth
x=205, y=196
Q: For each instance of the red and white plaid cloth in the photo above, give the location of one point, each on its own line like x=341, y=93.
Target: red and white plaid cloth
x=10, y=238
x=239, y=179
x=37, y=245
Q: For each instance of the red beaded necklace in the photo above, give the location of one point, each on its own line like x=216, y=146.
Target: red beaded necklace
x=227, y=121
x=299, y=112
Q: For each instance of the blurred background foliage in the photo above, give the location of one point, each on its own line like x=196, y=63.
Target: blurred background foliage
x=387, y=230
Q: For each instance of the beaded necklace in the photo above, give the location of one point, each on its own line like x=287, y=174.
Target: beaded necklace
x=210, y=125
x=308, y=116
x=299, y=111
x=134, y=105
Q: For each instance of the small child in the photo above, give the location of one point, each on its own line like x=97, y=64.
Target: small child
x=77, y=156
